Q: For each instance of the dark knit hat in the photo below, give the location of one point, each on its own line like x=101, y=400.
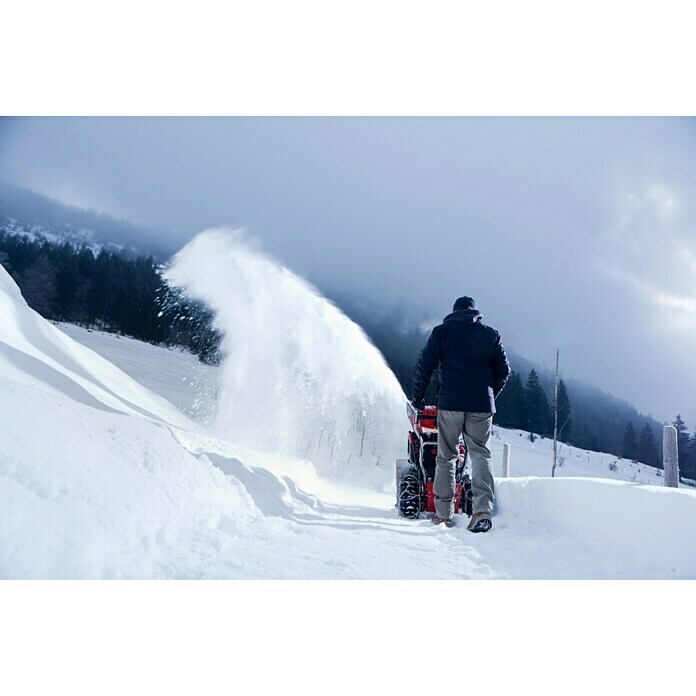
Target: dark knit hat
x=464, y=303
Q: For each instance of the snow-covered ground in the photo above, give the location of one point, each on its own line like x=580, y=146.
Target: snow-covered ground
x=108, y=470
x=174, y=374
x=181, y=378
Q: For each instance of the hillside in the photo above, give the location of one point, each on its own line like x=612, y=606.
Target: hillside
x=599, y=419
x=36, y=217
x=102, y=477
x=123, y=292
x=179, y=376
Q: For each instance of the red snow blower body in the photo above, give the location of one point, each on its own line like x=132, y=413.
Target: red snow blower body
x=415, y=475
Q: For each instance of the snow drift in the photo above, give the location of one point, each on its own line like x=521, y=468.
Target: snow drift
x=650, y=529
x=93, y=482
x=38, y=355
x=102, y=478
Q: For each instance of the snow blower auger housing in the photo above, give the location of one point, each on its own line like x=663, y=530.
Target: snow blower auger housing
x=415, y=475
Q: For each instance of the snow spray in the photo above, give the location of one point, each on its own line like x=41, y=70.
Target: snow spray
x=298, y=377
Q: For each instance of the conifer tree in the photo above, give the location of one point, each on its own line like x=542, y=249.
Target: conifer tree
x=690, y=469
x=538, y=413
x=38, y=285
x=109, y=291
x=682, y=432
x=594, y=443
x=682, y=444
x=510, y=406
x=647, y=448
x=630, y=446
x=565, y=422
x=5, y=261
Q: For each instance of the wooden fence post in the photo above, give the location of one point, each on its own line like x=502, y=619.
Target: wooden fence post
x=670, y=456
x=506, y=460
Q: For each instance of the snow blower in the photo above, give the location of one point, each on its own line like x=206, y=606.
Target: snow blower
x=415, y=475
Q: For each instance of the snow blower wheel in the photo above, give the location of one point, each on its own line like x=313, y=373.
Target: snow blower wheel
x=408, y=493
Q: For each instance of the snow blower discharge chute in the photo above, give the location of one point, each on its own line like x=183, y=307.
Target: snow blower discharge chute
x=415, y=475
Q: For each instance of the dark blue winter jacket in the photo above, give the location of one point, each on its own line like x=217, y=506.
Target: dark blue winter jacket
x=472, y=361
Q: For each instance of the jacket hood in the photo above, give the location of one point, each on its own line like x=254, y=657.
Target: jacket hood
x=464, y=316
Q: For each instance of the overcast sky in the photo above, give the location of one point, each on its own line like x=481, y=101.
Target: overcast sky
x=572, y=232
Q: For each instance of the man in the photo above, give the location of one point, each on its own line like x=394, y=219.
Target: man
x=473, y=371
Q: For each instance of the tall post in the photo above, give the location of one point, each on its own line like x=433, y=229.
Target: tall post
x=670, y=456
x=506, y=460
x=555, y=419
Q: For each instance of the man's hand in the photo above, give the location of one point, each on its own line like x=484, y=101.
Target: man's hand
x=418, y=404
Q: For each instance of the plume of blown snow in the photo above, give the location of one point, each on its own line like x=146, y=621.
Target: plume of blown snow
x=298, y=377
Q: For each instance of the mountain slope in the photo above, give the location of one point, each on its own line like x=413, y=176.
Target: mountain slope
x=178, y=376
x=100, y=477
x=36, y=217
x=598, y=419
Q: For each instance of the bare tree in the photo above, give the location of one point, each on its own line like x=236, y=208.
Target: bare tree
x=556, y=429
x=555, y=418
x=365, y=425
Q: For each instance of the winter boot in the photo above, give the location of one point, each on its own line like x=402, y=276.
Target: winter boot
x=439, y=520
x=480, y=522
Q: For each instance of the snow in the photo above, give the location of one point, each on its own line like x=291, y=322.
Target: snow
x=295, y=361
x=77, y=237
x=648, y=528
x=180, y=377
x=174, y=374
x=110, y=470
x=534, y=459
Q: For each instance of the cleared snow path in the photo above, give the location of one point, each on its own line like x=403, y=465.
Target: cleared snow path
x=544, y=528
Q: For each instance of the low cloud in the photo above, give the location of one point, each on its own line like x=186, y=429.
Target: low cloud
x=652, y=250
x=653, y=293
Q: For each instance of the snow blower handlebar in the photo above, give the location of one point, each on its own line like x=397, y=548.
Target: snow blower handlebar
x=416, y=415
x=411, y=410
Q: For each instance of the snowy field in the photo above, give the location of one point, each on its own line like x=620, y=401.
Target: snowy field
x=175, y=374
x=109, y=470
x=181, y=378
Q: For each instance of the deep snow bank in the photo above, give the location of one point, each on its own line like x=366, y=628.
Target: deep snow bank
x=651, y=529
x=93, y=482
x=37, y=354
x=299, y=378
x=173, y=373
x=101, y=478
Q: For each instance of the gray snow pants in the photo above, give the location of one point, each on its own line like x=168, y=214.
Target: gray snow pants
x=476, y=428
